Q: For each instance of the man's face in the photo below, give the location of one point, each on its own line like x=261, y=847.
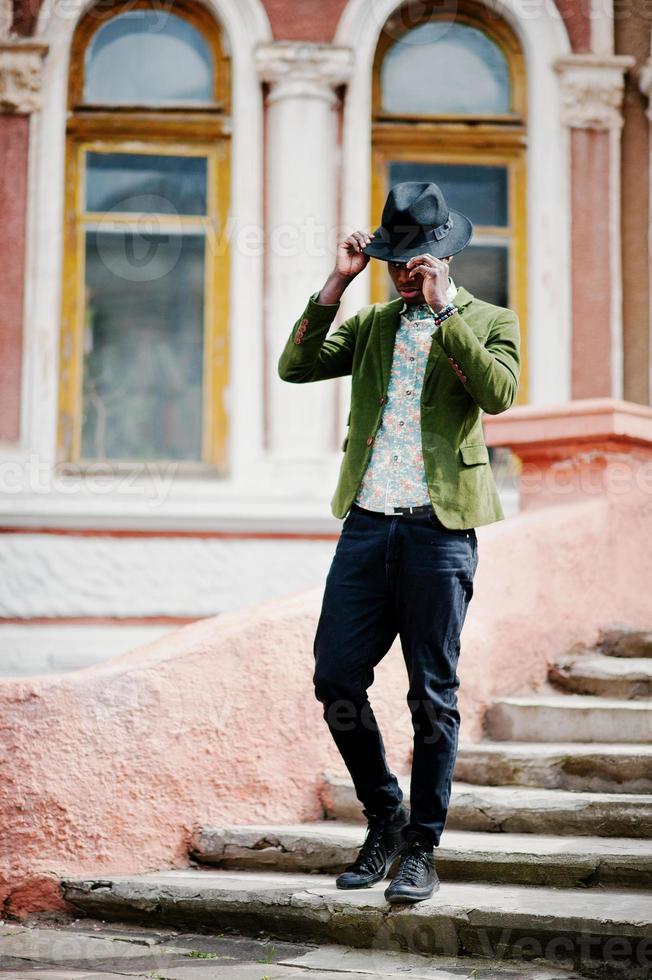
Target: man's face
x=408, y=287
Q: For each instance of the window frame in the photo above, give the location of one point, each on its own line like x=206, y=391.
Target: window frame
x=154, y=130
x=459, y=139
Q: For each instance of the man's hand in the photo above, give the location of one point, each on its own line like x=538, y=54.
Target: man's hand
x=350, y=261
x=435, y=279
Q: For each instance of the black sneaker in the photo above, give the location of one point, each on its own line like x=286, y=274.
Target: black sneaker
x=382, y=844
x=416, y=878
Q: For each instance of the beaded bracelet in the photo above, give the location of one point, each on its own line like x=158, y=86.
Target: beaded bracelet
x=444, y=314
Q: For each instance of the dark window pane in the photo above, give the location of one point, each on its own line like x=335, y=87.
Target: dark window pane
x=148, y=57
x=143, y=346
x=140, y=182
x=479, y=192
x=483, y=270
x=444, y=68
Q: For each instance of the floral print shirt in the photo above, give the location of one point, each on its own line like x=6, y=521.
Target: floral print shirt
x=395, y=475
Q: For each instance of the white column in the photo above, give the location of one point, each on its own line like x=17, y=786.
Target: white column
x=645, y=82
x=302, y=214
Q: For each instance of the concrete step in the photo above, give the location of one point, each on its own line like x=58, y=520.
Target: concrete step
x=523, y=859
x=624, y=642
x=599, y=932
x=88, y=949
x=542, y=717
x=595, y=767
x=518, y=809
x=603, y=676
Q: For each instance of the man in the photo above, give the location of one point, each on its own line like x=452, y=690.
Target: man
x=414, y=483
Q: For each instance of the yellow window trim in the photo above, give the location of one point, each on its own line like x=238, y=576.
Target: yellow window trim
x=171, y=133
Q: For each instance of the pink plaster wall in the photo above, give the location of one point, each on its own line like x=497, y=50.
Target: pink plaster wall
x=108, y=769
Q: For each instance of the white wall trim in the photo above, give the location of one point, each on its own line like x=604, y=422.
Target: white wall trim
x=544, y=40
x=244, y=25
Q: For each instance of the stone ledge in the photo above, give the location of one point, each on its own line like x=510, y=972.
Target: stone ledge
x=578, y=450
x=530, y=429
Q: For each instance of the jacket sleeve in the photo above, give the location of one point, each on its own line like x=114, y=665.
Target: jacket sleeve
x=492, y=369
x=308, y=355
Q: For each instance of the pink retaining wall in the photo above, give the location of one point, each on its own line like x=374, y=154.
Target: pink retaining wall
x=109, y=769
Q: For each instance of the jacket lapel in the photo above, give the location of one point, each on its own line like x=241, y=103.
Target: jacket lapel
x=389, y=323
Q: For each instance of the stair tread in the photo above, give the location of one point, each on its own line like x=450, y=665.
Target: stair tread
x=452, y=840
x=575, y=702
x=599, y=664
x=607, y=909
x=559, y=748
x=539, y=794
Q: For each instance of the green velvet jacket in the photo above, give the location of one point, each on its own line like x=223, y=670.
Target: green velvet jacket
x=482, y=339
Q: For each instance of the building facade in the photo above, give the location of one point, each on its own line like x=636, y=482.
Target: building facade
x=174, y=180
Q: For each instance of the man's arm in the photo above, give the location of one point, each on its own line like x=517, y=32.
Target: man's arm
x=492, y=369
x=308, y=355
x=489, y=371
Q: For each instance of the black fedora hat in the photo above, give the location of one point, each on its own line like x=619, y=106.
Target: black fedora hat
x=417, y=219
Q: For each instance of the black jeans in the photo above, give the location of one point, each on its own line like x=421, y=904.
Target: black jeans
x=411, y=576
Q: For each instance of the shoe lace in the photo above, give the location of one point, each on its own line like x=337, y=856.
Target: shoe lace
x=371, y=847
x=413, y=861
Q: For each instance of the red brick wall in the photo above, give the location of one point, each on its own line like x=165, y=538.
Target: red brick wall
x=578, y=25
x=14, y=136
x=316, y=20
x=633, y=38
x=25, y=14
x=304, y=20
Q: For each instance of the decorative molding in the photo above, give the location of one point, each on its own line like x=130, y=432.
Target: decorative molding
x=297, y=69
x=592, y=88
x=20, y=76
x=645, y=84
x=6, y=19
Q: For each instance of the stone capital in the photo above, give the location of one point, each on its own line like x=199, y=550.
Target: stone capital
x=20, y=76
x=592, y=88
x=303, y=70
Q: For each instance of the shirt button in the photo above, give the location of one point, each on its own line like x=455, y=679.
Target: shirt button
x=382, y=400
x=411, y=358
x=394, y=457
x=401, y=422
x=409, y=391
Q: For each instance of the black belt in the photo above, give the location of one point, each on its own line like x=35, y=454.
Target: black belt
x=413, y=511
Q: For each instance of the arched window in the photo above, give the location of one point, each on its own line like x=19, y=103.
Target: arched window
x=144, y=351
x=449, y=105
